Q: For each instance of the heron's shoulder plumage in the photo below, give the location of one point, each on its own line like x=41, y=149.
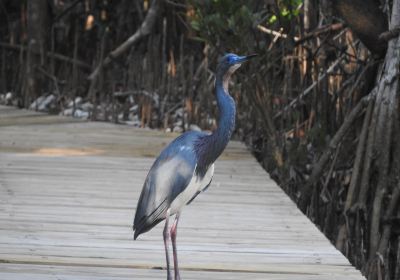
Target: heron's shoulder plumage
x=169, y=175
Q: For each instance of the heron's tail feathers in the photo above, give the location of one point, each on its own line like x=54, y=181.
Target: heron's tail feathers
x=144, y=223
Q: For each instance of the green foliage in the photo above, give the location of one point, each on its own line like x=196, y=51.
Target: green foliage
x=228, y=21
x=232, y=21
x=287, y=10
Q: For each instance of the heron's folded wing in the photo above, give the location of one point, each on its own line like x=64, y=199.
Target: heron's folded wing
x=168, y=177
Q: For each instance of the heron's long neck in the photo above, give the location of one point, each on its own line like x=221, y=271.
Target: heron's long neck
x=213, y=145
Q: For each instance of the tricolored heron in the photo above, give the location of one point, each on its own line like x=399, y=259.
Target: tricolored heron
x=186, y=166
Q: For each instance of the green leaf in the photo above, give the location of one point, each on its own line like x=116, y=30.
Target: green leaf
x=272, y=19
x=195, y=25
x=285, y=12
x=197, y=38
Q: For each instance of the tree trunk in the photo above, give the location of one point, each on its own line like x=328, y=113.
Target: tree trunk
x=380, y=159
x=388, y=87
x=38, y=22
x=367, y=21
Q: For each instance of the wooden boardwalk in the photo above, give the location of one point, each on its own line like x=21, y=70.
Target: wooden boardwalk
x=68, y=192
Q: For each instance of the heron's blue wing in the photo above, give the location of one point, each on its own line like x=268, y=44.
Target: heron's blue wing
x=167, y=178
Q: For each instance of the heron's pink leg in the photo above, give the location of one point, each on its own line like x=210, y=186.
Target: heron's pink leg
x=166, y=245
x=174, y=249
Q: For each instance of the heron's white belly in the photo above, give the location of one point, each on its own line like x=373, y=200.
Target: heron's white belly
x=195, y=185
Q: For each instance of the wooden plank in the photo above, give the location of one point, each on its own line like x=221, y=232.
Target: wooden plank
x=29, y=272
x=68, y=192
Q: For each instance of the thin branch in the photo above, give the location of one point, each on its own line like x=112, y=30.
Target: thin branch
x=309, y=89
x=143, y=31
x=172, y=3
x=390, y=34
x=53, y=78
x=355, y=176
x=66, y=10
x=57, y=56
x=320, y=30
x=299, y=40
x=337, y=138
x=275, y=33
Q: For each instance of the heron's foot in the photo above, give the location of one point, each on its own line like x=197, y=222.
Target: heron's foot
x=169, y=275
x=177, y=276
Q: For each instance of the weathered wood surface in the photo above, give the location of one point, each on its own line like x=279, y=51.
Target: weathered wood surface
x=68, y=192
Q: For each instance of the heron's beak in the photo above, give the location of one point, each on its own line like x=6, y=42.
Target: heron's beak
x=242, y=59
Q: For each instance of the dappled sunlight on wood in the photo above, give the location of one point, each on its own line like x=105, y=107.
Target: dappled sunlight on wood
x=68, y=151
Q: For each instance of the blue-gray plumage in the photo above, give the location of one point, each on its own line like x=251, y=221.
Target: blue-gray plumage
x=186, y=166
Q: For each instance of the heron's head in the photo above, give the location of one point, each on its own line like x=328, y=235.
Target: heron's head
x=230, y=62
